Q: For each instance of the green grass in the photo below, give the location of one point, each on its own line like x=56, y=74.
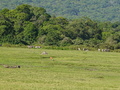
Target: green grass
x=69, y=70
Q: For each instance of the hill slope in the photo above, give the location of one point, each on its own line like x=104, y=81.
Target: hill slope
x=102, y=10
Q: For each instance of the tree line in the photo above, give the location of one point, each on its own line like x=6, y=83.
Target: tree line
x=33, y=25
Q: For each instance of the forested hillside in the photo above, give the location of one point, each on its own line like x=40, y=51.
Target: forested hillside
x=33, y=25
x=102, y=10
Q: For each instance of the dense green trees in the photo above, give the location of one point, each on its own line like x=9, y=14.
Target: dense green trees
x=6, y=29
x=102, y=10
x=19, y=24
x=29, y=25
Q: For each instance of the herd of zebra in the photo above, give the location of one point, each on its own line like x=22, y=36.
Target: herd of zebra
x=84, y=49
x=104, y=50
x=100, y=50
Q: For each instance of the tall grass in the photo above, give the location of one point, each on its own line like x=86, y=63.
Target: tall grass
x=68, y=70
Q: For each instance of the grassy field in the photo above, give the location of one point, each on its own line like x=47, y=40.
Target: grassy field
x=68, y=70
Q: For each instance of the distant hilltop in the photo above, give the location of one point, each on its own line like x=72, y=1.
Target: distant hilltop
x=100, y=10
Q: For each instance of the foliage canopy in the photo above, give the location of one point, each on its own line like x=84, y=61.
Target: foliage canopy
x=29, y=25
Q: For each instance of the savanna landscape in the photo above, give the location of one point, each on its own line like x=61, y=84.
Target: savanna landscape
x=60, y=45
x=58, y=69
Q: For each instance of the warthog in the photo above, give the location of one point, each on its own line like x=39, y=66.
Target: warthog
x=84, y=49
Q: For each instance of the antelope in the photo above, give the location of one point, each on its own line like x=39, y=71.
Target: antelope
x=30, y=46
x=37, y=46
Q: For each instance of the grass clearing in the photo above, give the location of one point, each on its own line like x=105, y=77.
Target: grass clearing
x=69, y=70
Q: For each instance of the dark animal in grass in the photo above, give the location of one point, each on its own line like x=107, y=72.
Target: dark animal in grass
x=7, y=66
x=15, y=66
x=84, y=49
